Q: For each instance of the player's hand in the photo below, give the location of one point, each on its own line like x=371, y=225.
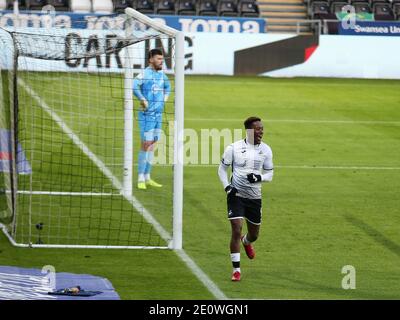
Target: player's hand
x=230, y=191
x=253, y=178
x=144, y=104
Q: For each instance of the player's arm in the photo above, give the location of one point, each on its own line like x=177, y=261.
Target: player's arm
x=167, y=88
x=223, y=174
x=226, y=161
x=137, y=91
x=268, y=171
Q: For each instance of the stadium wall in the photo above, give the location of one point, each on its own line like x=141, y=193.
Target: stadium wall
x=330, y=56
x=215, y=53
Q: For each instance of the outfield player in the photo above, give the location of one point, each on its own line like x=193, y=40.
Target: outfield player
x=251, y=162
x=152, y=88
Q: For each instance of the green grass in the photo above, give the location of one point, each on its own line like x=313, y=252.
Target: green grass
x=135, y=274
x=316, y=220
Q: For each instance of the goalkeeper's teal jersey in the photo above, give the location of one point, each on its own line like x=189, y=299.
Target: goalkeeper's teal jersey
x=153, y=86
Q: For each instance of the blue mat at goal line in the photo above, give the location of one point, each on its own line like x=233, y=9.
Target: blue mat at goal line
x=33, y=284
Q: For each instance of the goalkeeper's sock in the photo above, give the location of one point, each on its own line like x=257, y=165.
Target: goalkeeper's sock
x=142, y=164
x=235, y=258
x=149, y=161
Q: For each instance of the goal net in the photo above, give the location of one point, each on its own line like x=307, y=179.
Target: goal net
x=70, y=138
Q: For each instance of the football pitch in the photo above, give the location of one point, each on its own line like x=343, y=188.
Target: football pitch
x=334, y=200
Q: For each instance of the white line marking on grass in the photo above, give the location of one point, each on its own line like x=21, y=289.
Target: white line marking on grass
x=207, y=282
x=278, y=81
x=339, y=167
x=311, y=167
x=310, y=121
x=61, y=193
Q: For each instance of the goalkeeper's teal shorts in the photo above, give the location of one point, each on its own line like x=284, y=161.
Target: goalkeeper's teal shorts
x=150, y=126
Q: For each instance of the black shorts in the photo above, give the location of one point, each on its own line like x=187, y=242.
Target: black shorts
x=239, y=207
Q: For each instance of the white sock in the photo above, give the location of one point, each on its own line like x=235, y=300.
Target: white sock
x=147, y=176
x=141, y=177
x=245, y=241
x=235, y=257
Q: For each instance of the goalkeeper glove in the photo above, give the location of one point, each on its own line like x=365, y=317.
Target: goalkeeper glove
x=230, y=191
x=253, y=178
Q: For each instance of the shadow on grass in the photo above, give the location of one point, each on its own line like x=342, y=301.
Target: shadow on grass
x=374, y=234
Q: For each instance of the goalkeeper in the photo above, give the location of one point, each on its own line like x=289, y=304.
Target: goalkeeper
x=152, y=88
x=251, y=162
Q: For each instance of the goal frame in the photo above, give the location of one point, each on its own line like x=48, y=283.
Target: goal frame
x=176, y=241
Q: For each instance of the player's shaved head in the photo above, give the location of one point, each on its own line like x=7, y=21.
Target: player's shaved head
x=248, y=123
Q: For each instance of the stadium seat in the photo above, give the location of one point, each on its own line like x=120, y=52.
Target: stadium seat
x=358, y=1
x=312, y=1
x=396, y=10
x=121, y=5
x=372, y=2
x=9, y=4
x=3, y=4
x=81, y=6
x=21, y=4
x=248, y=9
x=35, y=4
x=362, y=7
x=382, y=11
x=227, y=8
x=59, y=5
x=186, y=7
x=144, y=6
x=103, y=6
x=165, y=7
x=207, y=8
x=336, y=6
x=319, y=10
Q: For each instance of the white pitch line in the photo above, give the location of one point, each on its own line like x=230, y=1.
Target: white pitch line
x=196, y=270
x=61, y=193
x=381, y=122
x=339, y=167
x=310, y=167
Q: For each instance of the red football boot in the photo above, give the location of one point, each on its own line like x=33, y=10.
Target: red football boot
x=236, y=276
x=249, y=249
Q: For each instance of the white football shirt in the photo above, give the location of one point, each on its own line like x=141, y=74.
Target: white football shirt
x=247, y=158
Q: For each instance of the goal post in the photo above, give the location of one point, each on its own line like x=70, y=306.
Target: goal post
x=76, y=137
x=179, y=120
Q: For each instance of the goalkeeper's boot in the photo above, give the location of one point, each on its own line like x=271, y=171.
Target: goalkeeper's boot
x=141, y=185
x=236, y=276
x=152, y=183
x=249, y=249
